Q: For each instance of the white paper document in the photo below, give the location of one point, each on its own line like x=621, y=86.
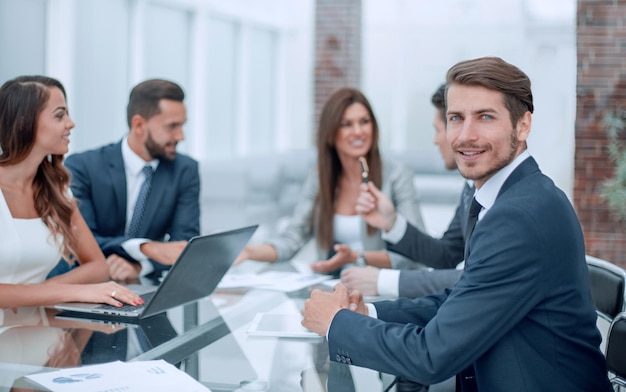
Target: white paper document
x=272, y=280
x=141, y=376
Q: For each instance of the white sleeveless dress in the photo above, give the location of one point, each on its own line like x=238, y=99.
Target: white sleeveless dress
x=28, y=252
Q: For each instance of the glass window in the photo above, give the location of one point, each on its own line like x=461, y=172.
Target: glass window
x=221, y=89
x=22, y=38
x=262, y=92
x=101, y=81
x=167, y=44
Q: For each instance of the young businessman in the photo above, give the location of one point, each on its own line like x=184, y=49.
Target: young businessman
x=111, y=181
x=521, y=313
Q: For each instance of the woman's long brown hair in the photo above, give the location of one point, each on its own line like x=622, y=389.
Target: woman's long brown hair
x=328, y=164
x=21, y=102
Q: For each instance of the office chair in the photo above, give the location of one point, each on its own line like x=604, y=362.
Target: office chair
x=616, y=352
x=608, y=287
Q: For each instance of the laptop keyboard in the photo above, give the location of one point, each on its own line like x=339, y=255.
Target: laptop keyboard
x=128, y=308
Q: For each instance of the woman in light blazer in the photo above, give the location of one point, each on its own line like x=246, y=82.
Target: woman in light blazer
x=325, y=210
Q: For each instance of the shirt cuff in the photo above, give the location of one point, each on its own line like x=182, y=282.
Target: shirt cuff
x=133, y=248
x=371, y=310
x=388, y=282
x=397, y=230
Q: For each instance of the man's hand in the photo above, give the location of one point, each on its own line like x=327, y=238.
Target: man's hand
x=122, y=270
x=165, y=253
x=375, y=207
x=364, y=279
x=344, y=255
x=320, y=309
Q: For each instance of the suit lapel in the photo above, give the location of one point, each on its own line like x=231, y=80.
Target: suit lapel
x=117, y=176
x=526, y=168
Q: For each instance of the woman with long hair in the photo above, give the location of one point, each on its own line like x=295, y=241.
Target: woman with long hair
x=347, y=132
x=39, y=220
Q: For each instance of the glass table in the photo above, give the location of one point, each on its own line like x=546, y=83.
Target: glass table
x=207, y=339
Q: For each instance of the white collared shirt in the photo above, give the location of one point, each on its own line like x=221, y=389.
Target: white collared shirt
x=133, y=164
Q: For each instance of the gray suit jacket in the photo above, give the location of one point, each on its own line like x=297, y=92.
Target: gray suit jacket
x=521, y=313
x=442, y=253
x=99, y=185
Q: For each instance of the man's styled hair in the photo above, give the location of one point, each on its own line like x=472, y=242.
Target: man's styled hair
x=496, y=74
x=144, y=97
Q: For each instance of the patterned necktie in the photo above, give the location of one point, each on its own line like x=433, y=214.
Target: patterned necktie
x=466, y=199
x=471, y=222
x=140, y=205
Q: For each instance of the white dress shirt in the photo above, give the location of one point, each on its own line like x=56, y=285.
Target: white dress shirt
x=133, y=164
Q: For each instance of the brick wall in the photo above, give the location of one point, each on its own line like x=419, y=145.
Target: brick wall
x=601, y=86
x=337, y=48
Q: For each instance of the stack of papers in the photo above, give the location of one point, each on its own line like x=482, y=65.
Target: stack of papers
x=154, y=376
x=272, y=280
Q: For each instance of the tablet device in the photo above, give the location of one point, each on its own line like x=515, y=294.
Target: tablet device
x=287, y=325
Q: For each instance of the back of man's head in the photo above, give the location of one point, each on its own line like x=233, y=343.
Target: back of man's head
x=439, y=101
x=144, y=97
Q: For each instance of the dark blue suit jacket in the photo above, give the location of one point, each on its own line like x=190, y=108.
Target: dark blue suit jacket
x=521, y=312
x=99, y=184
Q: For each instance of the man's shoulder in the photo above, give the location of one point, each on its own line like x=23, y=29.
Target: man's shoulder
x=93, y=154
x=185, y=160
x=180, y=163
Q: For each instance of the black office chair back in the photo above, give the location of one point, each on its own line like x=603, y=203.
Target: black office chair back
x=608, y=285
x=616, y=351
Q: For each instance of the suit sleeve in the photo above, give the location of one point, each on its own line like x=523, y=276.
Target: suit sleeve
x=186, y=217
x=406, y=201
x=432, y=338
x=418, y=283
x=444, y=252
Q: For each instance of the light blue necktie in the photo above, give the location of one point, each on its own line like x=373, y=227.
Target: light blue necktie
x=140, y=205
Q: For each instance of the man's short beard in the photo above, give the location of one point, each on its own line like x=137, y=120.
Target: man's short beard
x=155, y=150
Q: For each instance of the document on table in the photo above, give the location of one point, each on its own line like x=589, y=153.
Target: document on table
x=272, y=280
x=154, y=376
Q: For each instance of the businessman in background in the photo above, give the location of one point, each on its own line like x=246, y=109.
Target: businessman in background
x=443, y=253
x=139, y=196
x=521, y=313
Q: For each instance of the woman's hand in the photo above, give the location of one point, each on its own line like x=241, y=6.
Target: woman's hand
x=344, y=255
x=106, y=293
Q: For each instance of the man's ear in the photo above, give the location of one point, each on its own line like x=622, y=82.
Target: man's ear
x=523, y=126
x=137, y=123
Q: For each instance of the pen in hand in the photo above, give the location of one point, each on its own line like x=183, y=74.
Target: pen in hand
x=364, y=170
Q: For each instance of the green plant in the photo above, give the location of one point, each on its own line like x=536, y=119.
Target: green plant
x=614, y=189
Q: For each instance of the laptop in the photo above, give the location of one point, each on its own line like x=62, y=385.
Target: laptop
x=195, y=275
